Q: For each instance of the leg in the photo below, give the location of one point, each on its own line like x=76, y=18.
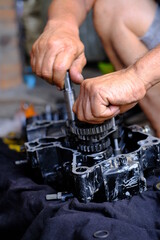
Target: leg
x=125, y=23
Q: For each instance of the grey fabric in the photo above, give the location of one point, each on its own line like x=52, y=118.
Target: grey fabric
x=152, y=37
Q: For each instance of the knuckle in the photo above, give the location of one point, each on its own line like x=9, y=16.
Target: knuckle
x=51, y=44
x=59, y=67
x=86, y=86
x=74, y=50
x=48, y=63
x=94, y=90
x=41, y=45
x=46, y=74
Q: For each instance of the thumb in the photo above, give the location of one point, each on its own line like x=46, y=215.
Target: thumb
x=110, y=111
x=76, y=69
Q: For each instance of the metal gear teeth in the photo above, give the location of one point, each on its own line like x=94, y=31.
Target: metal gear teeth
x=94, y=148
x=92, y=130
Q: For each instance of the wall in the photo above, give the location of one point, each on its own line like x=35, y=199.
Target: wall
x=10, y=62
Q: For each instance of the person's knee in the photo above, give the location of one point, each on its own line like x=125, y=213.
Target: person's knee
x=135, y=15
x=107, y=16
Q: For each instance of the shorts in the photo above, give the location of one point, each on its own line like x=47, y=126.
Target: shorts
x=152, y=37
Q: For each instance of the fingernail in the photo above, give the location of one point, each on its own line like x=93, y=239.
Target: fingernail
x=81, y=78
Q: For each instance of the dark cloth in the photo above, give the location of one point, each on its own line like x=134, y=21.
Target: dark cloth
x=26, y=215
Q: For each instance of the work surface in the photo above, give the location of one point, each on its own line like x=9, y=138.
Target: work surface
x=25, y=214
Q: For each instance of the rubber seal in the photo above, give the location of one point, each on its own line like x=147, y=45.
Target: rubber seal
x=101, y=234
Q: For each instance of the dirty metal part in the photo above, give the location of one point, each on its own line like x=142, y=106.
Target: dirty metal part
x=116, y=145
x=43, y=128
x=63, y=196
x=99, y=176
x=69, y=97
x=47, y=124
x=21, y=162
x=94, y=162
x=101, y=234
x=83, y=129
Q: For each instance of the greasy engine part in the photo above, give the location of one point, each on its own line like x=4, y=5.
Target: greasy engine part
x=82, y=159
x=95, y=162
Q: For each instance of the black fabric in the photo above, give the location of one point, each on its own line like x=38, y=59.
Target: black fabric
x=26, y=215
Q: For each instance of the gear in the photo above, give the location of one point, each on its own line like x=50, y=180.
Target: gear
x=83, y=129
x=94, y=147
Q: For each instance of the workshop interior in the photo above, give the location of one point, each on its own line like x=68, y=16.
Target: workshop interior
x=61, y=178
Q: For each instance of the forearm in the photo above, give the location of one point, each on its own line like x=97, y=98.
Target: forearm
x=71, y=11
x=148, y=67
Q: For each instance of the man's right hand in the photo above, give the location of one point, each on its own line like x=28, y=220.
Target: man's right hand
x=58, y=49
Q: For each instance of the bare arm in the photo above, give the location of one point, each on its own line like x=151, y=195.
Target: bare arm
x=104, y=97
x=59, y=48
x=70, y=10
x=148, y=67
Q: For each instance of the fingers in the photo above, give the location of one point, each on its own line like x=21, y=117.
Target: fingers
x=62, y=63
x=91, y=109
x=37, y=55
x=53, y=68
x=53, y=60
x=104, y=97
x=76, y=69
x=86, y=115
x=94, y=111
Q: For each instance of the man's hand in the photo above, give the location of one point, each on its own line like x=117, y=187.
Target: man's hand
x=57, y=50
x=104, y=97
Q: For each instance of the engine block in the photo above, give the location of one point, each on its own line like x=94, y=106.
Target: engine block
x=83, y=158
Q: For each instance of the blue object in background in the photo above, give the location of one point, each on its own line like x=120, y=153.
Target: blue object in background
x=29, y=78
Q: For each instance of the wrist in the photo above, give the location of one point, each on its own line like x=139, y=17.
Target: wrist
x=68, y=25
x=148, y=68
x=142, y=72
x=137, y=83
